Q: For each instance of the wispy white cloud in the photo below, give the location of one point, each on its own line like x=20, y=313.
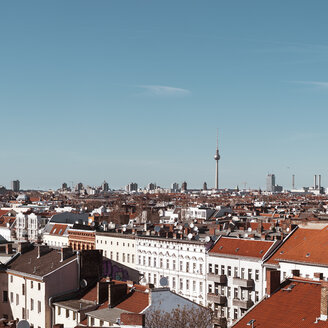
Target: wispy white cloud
x=164, y=91
x=318, y=84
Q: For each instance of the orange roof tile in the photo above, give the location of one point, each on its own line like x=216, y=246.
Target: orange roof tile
x=312, y=249
x=297, y=237
x=241, y=247
x=58, y=229
x=298, y=307
x=136, y=303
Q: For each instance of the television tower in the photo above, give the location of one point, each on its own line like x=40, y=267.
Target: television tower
x=217, y=158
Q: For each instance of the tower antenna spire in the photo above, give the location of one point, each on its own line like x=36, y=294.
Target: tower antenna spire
x=217, y=158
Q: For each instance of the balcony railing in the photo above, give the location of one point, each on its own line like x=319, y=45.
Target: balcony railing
x=245, y=283
x=220, y=321
x=218, y=278
x=217, y=298
x=244, y=304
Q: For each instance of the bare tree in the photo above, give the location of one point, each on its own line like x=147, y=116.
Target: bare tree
x=185, y=317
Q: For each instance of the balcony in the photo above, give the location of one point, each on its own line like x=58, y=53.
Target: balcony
x=244, y=304
x=216, y=298
x=244, y=283
x=218, y=278
x=220, y=321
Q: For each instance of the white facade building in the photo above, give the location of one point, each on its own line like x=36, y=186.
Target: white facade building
x=118, y=247
x=182, y=262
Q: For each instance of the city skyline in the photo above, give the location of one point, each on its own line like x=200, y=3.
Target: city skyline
x=135, y=93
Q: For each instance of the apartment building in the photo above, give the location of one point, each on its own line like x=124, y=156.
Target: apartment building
x=36, y=275
x=182, y=262
x=119, y=247
x=236, y=276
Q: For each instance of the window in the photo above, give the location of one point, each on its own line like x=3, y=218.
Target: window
x=193, y=285
x=31, y=284
x=92, y=321
x=32, y=304
x=117, y=257
x=194, y=267
x=144, y=260
x=222, y=270
x=155, y=264
x=200, y=286
x=249, y=273
x=123, y=257
x=181, y=265
x=139, y=259
x=161, y=263
x=17, y=299
x=155, y=279
x=173, y=282
x=39, y=286
x=187, y=267
x=210, y=289
x=256, y=296
x=235, y=272
x=12, y=297
x=216, y=270
x=39, y=306
x=5, y=296
x=200, y=268
x=229, y=271
x=242, y=274
x=11, y=278
x=167, y=264
x=216, y=288
x=101, y=323
x=128, y=258
x=74, y=315
x=111, y=255
x=132, y=258
x=235, y=313
x=67, y=313
x=58, y=310
x=228, y=291
x=257, y=275
x=23, y=289
x=181, y=284
x=174, y=263
x=23, y=313
x=235, y=292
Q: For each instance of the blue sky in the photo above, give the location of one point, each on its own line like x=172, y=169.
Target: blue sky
x=135, y=91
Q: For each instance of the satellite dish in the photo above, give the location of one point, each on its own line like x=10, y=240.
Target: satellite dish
x=157, y=228
x=124, y=229
x=196, y=229
x=163, y=281
x=249, y=229
x=23, y=324
x=180, y=227
x=83, y=283
x=191, y=225
x=207, y=239
x=189, y=236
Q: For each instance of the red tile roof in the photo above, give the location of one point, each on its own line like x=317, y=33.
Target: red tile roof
x=241, y=247
x=312, y=249
x=58, y=229
x=3, y=212
x=136, y=303
x=297, y=237
x=298, y=307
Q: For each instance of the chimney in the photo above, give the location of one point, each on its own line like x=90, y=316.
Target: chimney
x=42, y=250
x=65, y=253
x=318, y=276
x=9, y=248
x=319, y=183
x=293, y=181
x=102, y=292
x=116, y=293
x=296, y=273
x=324, y=301
x=132, y=319
x=273, y=281
x=23, y=247
x=315, y=182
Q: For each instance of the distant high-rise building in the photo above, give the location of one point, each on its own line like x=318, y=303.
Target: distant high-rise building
x=15, y=185
x=64, y=186
x=132, y=187
x=151, y=186
x=105, y=186
x=184, y=186
x=204, y=186
x=79, y=186
x=174, y=187
x=270, y=182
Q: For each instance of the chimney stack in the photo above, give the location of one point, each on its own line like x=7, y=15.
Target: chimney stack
x=102, y=292
x=293, y=181
x=324, y=301
x=42, y=250
x=273, y=281
x=319, y=183
x=315, y=182
x=65, y=253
